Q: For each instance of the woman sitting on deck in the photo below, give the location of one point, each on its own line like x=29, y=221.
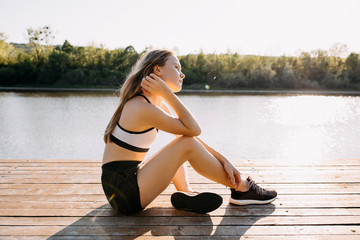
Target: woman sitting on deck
x=130, y=184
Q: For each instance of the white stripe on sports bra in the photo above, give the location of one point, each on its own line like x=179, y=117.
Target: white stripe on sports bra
x=134, y=141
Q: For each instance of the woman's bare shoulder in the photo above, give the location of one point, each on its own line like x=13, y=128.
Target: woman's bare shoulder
x=137, y=103
x=139, y=110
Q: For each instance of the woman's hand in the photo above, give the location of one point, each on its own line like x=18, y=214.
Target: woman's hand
x=154, y=85
x=233, y=174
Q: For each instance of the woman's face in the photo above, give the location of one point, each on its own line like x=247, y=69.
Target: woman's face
x=171, y=73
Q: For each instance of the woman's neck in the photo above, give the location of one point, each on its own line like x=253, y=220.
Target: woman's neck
x=155, y=100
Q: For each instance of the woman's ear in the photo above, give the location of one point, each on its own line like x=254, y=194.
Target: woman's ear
x=157, y=70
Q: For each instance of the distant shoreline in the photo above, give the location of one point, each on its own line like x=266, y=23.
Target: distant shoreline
x=191, y=91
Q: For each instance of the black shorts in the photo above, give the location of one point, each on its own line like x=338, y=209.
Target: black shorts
x=119, y=182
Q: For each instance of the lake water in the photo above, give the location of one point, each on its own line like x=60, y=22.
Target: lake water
x=242, y=127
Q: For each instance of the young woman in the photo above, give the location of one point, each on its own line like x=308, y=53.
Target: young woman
x=130, y=184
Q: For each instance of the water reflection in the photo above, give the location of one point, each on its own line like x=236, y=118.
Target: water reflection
x=304, y=111
x=297, y=128
x=316, y=125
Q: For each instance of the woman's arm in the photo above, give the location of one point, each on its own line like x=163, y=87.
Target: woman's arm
x=183, y=124
x=234, y=175
x=184, y=115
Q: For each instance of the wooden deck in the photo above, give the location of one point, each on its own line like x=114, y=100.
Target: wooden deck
x=63, y=199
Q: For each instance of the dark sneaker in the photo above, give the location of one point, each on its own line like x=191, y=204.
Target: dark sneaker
x=255, y=195
x=199, y=203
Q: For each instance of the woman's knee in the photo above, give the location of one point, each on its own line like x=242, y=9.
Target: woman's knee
x=188, y=144
x=185, y=139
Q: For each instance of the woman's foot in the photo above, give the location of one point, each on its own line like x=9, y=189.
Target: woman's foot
x=255, y=195
x=196, y=202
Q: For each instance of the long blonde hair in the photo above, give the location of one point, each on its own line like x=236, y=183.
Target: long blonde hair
x=131, y=87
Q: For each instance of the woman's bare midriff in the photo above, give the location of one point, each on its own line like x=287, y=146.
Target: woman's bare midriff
x=115, y=153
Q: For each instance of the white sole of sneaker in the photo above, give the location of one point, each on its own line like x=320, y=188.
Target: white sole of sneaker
x=250, y=201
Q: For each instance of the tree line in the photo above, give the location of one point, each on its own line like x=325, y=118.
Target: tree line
x=38, y=63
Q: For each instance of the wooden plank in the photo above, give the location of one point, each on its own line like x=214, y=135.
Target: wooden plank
x=171, y=212
x=65, y=172
x=77, y=167
x=260, y=178
x=91, y=205
x=293, y=200
x=51, y=164
x=79, y=189
x=257, y=161
x=61, y=170
x=237, y=162
x=354, y=198
x=180, y=221
x=96, y=188
x=178, y=230
x=50, y=160
x=246, y=237
x=94, y=171
x=97, y=167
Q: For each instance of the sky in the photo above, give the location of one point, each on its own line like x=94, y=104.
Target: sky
x=260, y=27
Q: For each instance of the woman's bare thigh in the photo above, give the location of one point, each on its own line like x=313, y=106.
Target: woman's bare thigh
x=156, y=174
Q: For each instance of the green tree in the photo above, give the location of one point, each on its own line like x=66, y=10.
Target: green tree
x=67, y=47
x=6, y=52
x=352, y=64
x=58, y=64
x=25, y=70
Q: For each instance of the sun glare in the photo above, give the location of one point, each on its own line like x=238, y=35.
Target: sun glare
x=308, y=110
x=307, y=116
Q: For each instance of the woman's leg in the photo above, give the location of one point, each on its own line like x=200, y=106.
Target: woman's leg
x=181, y=179
x=156, y=174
